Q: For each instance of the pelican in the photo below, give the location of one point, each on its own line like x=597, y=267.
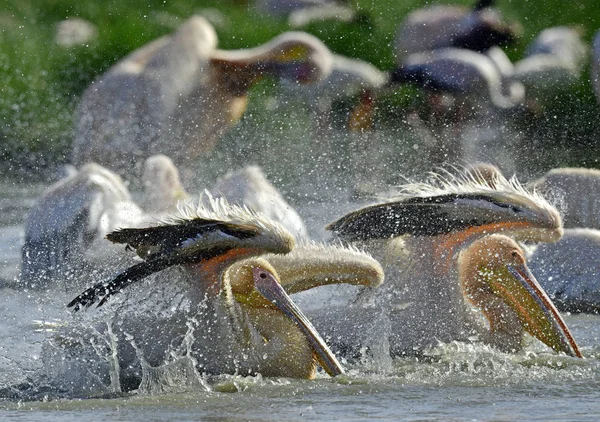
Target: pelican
x=162, y=185
x=73, y=32
x=70, y=219
x=443, y=26
x=348, y=77
x=417, y=239
x=340, y=11
x=553, y=62
x=451, y=204
x=468, y=94
x=576, y=192
x=304, y=12
x=460, y=72
x=181, y=87
x=249, y=186
x=296, y=9
x=64, y=231
x=568, y=270
x=246, y=323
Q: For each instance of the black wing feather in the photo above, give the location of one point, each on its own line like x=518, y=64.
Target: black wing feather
x=100, y=292
x=417, y=216
x=162, y=235
x=164, y=247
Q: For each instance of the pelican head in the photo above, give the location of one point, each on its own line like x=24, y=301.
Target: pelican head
x=495, y=278
x=254, y=285
x=456, y=205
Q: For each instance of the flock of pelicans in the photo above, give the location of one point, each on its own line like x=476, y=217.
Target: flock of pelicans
x=224, y=268
x=182, y=86
x=223, y=277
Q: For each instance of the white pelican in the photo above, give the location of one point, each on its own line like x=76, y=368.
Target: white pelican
x=250, y=187
x=246, y=323
x=442, y=26
x=576, y=193
x=553, y=62
x=304, y=12
x=289, y=7
x=70, y=219
x=466, y=93
x=417, y=239
x=162, y=185
x=64, y=231
x=178, y=94
x=341, y=11
x=460, y=72
x=595, y=70
x=568, y=270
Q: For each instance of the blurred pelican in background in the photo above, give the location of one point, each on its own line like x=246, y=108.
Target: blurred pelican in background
x=162, y=185
x=69, y=220
x=442, y=26
x=470, y=96
x=249, y=187
x=576, y=192
x=64, y=231
x=552, y=63
x=460, y=72
x=178, y=94
x=349, y=77
x=304, y=12
x=568, y=270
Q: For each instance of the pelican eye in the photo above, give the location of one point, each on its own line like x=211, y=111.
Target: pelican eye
x=515, y=254
x=263, y=275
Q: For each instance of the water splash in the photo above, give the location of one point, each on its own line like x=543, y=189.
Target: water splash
x=178, y=373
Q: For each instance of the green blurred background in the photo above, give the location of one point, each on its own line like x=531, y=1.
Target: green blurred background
x=41, y=82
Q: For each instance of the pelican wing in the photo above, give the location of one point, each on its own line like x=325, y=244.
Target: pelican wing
x=186, y=242
x=182, y=235
x=100, y=292
x=425, y=216
x=177, y=243
x=66, y=220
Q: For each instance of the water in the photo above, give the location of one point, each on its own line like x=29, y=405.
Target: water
x=450, y=382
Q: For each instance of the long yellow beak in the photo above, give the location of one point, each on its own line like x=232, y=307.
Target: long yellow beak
x=535, y=310
x=266, y=284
